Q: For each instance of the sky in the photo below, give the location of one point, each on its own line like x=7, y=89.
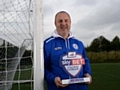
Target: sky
x=90, y=18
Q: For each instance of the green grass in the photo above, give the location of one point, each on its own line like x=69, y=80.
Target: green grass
x=106, y=76
x=23, y=86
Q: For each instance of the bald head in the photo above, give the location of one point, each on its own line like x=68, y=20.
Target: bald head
x=62, y=12
x=63, y=23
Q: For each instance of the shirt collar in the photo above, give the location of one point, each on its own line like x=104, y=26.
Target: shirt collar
x=55, y=34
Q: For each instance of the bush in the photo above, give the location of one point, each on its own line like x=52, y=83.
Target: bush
x=101, y=57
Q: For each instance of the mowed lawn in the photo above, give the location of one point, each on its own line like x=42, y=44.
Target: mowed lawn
x=106, y=76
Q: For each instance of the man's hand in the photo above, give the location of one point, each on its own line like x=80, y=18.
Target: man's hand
x=58, y=82
x=88, y=75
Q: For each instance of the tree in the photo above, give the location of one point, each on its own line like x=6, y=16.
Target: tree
x=99, y=44
x=104, y=43
x=115, y=43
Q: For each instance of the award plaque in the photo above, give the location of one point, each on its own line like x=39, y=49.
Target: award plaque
x=72, y=64
x=76, y=80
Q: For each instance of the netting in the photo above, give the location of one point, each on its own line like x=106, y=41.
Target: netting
x=16, y=44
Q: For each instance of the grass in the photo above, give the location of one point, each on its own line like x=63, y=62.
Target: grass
x=106, y=76
x=23, y=86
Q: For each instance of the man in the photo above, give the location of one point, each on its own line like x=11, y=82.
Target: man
x=65, y=57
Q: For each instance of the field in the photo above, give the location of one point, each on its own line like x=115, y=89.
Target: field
x=106, y=76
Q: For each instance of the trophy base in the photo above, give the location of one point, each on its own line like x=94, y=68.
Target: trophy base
x=75, y=80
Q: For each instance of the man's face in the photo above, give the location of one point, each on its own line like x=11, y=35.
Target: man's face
x=63, y=24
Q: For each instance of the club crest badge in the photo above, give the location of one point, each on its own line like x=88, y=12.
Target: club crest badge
x=75, y=46
x=72, y=63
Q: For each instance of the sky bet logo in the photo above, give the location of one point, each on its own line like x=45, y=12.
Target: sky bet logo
x=73, y=59
x=72, y=63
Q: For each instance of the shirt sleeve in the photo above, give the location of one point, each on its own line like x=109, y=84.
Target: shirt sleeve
x=86, y=67
x=49, y=76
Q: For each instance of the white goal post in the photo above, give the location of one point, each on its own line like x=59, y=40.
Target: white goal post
x=38, y=45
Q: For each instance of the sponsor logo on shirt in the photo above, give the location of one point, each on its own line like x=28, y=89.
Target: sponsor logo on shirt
x=58, y=48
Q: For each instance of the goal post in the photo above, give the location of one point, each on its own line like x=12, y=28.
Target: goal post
x=38, y=45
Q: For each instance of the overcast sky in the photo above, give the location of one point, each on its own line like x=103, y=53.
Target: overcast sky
x=90, y=18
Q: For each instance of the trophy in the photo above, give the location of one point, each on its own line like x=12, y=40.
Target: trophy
x=72, y=64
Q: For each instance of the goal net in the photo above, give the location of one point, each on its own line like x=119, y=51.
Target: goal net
x=16, y=45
